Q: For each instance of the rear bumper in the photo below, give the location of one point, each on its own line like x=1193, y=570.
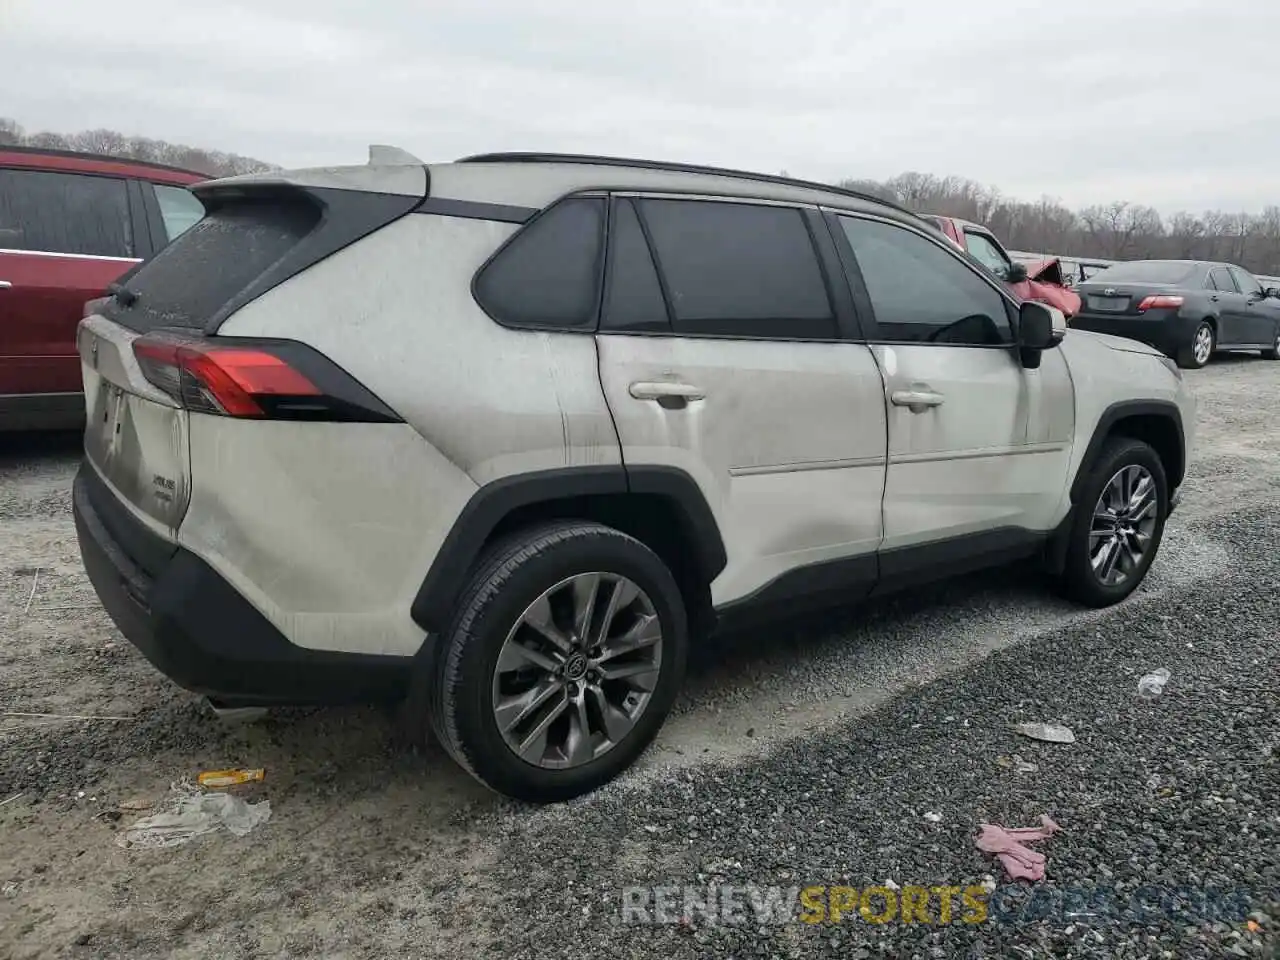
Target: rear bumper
x=195, y=628
x=1167, y=334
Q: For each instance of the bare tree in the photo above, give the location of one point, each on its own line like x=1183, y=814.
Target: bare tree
x=11, y=132
x=112, y=143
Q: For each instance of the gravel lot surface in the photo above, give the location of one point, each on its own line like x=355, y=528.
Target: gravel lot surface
x=805, y=755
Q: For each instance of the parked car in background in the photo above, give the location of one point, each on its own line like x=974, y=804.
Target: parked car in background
x=1185, y=308
x=520, y=486
x=1042, y=280
x=70, y=225
x=1088, y=268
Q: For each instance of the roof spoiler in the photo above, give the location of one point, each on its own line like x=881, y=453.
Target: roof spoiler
x=381, y=154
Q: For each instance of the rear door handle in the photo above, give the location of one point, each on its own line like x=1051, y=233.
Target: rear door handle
x=668, y=390
x=917, y=400
x=5, y=284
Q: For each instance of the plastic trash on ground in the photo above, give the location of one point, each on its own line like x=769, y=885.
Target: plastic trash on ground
x=1152, y=685
x=229, y=778
x=192, y=813
x=1048, y=732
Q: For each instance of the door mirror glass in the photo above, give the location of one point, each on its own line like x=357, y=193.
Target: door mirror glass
x=1016, y=272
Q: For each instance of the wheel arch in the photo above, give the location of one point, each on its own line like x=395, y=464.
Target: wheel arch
x=662, y=507
x=1157, y=423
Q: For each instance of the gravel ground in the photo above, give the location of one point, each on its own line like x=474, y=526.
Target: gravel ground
x=801, y=756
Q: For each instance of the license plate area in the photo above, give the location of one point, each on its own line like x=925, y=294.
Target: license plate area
x=138, y=444
x=1109, y=304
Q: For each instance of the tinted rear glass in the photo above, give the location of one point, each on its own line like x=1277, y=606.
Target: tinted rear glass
x=549, y=274
x=1149, y=271
x=203, y=269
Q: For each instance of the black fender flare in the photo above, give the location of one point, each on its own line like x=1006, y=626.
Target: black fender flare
x=1122, y=410
x=434, y=603
x=1056, y=550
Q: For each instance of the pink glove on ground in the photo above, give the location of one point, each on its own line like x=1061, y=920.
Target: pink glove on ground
x=1020, y=862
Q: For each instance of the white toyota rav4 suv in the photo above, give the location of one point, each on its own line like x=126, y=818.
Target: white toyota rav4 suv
x=506, y=435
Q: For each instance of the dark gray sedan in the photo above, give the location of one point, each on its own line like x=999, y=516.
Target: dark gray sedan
x=1186, y=308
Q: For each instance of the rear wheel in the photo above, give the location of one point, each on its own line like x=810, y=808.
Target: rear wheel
x=564, y=658
x=1118, y=524
x=1197, y=353
x=1274, y=352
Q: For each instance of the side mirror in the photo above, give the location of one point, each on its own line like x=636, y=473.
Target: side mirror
x=1016, y=273
x=1040, y=328
x=1273, y=292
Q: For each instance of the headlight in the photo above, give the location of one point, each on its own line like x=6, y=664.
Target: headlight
x=1172, y=366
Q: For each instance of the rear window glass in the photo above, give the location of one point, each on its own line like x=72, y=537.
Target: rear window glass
x=549, y=274
x=1150, y=271
x=64, y=213
x=188, y=281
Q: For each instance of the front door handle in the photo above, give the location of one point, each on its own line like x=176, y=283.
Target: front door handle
x=917, y=400
x=5, y=284
x=668, y=393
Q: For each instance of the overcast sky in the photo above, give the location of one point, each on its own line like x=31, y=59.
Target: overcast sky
x=1172, y=103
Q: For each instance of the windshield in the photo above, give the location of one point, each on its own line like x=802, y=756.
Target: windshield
x=1146, y=271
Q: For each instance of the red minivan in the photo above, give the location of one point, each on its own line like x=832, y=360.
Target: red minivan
x=70, y=224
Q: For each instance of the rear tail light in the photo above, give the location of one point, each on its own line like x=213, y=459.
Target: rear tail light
x=277, y=380
x=1160, y=302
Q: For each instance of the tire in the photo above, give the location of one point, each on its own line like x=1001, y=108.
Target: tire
x=1080, y=581
x=462, y=682
x=1274, y=352
x=1187, y=357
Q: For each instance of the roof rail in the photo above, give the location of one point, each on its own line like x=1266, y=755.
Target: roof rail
x=382, y=154
x=676, y=167
x=101, y=157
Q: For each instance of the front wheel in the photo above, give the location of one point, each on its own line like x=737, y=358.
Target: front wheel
x=1196, y=354
x=564, y=658
x=1118, y=523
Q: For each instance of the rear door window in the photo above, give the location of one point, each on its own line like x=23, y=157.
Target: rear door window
x=1246, y=282
x=1220, y=277
x=68, y=213
x=633, y=298
x=179, y=209
x=548, y=274
x=738, y=269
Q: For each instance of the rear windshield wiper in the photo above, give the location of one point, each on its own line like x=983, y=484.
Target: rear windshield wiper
x=124, y=296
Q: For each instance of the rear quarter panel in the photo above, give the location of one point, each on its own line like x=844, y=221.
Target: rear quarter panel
x=330, y=528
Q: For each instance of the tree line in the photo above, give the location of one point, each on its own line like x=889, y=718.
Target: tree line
x=1111, y=231
x=112, y=143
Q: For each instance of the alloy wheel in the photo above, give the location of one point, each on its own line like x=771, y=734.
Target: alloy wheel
x=1124, y=522
x=1203, y=346
x=577, y=671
